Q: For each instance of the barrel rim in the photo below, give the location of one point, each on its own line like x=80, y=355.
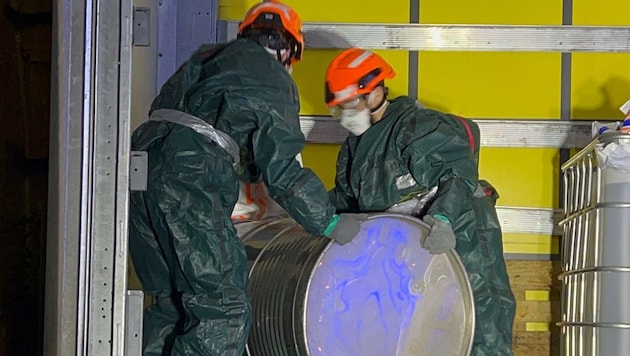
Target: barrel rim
x=458, y=268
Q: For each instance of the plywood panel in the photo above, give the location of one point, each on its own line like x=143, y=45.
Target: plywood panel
x=535, y=332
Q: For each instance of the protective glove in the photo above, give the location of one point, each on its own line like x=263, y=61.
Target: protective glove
x=345, y=227
x=441, y=238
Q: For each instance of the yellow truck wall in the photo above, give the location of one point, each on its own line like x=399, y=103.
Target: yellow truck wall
x=492, y=85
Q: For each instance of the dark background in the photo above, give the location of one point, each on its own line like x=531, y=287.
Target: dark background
x=25, y=59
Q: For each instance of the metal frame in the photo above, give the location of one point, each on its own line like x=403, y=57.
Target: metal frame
x=134, y=323
x=583, y=263
x=87, y=239
x=521, y=133
x=425, y=37
x=60, y=329
x=471, y=37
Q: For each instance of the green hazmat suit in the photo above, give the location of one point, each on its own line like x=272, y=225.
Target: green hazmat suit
x=412, y=149
x=183, y=244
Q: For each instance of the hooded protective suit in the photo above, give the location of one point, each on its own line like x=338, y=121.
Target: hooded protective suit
x=184, y=247
x=412, y=149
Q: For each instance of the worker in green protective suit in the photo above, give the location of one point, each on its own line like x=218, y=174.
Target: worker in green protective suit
x=397, y=149
x=229, y=113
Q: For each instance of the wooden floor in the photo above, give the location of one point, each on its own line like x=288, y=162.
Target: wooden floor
x=537, y=291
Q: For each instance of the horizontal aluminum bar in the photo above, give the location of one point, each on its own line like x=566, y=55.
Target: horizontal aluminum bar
x=586, y=210
x=494, y=133
x=599, y=269
x=525, y=220
x=593, y=325
x=530, y=257
x=417, y=37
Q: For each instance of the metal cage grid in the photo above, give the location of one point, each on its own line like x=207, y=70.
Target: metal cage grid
x=586, y=270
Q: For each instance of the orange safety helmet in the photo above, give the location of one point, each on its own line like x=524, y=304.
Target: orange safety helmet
x=353, y=72
x=274, y=15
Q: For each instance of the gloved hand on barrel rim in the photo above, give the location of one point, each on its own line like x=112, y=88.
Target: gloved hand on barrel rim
x=441, y=238
x=344, y=227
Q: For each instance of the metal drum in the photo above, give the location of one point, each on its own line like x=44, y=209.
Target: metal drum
x=381, y=294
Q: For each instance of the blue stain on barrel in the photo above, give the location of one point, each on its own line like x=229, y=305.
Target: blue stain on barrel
x=362, y=292
x=381, y=294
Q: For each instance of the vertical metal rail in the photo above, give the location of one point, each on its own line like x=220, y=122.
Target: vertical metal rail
x=87, y=242
x=121, y=199
x=64, y=197
x=414, y=56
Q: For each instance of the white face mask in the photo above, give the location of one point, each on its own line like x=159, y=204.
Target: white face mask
x=355, y=121
x=284, y=53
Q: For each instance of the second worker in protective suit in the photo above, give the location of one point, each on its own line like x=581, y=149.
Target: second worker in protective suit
x=396, y=149
x=229, y=113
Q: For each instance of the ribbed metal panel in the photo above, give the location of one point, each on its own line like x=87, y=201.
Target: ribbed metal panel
x=530, y=220
x=494, y=133
x=469, y=37
x=416, y=37
x=275, y=277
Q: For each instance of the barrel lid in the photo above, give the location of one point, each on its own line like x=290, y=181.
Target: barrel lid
x=383, y=294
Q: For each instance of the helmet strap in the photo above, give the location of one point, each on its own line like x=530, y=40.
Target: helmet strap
x=380, y=105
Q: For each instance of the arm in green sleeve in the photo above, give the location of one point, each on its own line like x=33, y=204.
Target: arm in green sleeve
x=342, y=202
x=276, y=140
x=437, y=155
x=341, y=196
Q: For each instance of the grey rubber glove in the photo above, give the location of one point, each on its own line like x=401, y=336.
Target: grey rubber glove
x=441, y=238
x=347, y=227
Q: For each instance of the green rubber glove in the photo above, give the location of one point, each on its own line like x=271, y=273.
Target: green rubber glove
x=344, y=227
x=441, y=238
